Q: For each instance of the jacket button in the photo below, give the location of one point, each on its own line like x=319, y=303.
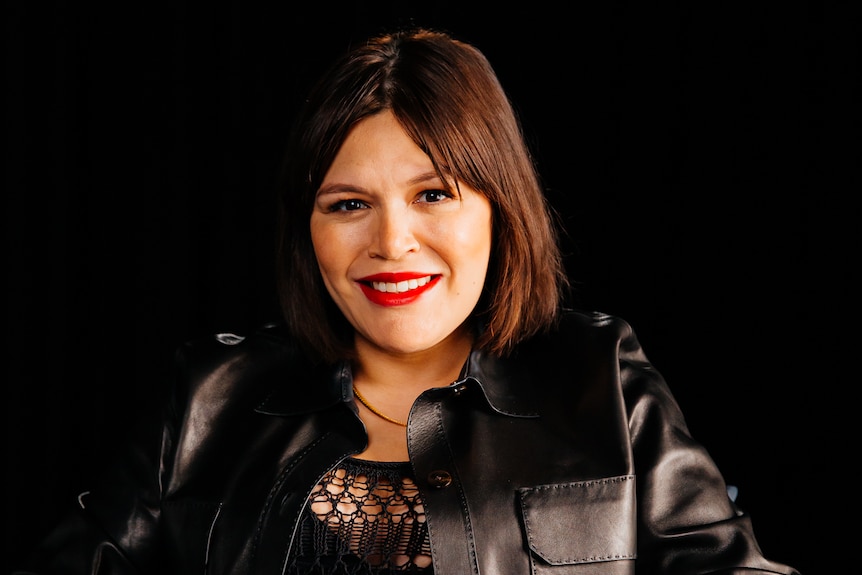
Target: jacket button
x=439, y=479
x=459, y=389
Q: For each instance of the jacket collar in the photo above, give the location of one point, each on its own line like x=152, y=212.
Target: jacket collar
x=502, y=382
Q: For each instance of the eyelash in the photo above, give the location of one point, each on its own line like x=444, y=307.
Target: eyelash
x=442, y=193
x=351, y=204
x=342, y=205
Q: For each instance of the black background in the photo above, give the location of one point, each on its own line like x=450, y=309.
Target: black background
x=702, y=157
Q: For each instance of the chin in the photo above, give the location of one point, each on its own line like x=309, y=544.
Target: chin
x=405, y=342
x=407, y=348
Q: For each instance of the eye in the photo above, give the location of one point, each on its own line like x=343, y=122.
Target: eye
x=347, y=206
x=434, y=196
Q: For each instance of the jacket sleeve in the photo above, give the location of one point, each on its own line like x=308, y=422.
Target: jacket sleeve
x=687, y=523
x=113, y=528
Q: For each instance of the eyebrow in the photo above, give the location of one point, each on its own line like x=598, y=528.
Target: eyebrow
x=337, y=187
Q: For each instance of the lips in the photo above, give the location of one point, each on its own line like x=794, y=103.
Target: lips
x=394, y=289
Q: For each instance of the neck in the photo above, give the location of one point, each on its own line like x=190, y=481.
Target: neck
x=406, y=375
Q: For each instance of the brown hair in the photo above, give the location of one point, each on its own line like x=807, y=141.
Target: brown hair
x=448, y=98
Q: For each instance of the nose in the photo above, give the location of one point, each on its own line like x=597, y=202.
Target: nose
x=394, y=236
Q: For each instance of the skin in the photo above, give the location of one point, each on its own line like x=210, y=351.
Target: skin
x=382, y=209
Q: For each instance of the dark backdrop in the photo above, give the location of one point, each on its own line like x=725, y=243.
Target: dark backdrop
x=700, y=155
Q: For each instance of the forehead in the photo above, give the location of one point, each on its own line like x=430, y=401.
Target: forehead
x=378, y=147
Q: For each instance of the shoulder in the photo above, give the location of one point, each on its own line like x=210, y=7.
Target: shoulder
x=580, y=342
x=586, y=343
x=590, y=329
x=267, y=340
x=238, y=364
x=591, y=321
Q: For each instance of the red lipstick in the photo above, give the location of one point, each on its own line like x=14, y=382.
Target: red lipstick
x=394, y=289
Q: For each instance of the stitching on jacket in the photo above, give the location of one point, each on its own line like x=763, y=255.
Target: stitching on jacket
x=267, y=506
x=441, y=432
x=579, y=484
x=461, y=497
x=590, y=483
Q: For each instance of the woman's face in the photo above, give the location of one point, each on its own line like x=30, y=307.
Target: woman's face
x=404, y=260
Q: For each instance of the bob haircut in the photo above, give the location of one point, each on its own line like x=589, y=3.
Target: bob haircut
x=449, y=100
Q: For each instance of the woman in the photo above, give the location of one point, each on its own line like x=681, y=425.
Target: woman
x=427, y=406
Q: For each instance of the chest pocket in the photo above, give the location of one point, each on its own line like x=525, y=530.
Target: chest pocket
x=580, y=524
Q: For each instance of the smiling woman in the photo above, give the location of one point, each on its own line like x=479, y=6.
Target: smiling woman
x=410, y=226
x=428, y=405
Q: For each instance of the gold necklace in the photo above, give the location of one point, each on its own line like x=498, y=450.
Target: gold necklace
x=374, y=410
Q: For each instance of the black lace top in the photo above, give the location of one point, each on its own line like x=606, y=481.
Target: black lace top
x=365, y=517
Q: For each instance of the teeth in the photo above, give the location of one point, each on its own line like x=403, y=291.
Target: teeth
x=400, y=287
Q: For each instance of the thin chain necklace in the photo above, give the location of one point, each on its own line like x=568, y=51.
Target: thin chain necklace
x=374, y=410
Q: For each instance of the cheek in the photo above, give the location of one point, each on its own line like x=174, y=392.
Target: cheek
x=325, y=250
x=471, y=228
x=483, y=236
x=335, y=247
x=467, y=248
x=477, y=234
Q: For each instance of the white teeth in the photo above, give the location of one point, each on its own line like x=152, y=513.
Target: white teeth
x=400, y=287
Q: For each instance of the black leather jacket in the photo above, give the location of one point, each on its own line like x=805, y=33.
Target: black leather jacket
x=570, y=457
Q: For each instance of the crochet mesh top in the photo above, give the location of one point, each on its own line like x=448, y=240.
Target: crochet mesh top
x=364, y=517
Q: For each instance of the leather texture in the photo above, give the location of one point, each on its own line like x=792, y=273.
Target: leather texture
x=569, y=457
